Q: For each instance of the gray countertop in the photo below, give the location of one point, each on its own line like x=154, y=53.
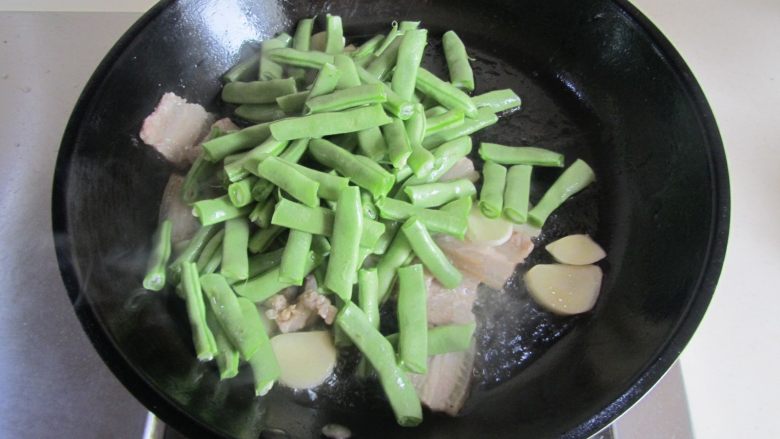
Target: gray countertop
x=53, y=383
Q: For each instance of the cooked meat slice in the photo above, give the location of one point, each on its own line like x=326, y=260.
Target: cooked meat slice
x=445, y=386
x=451, y=306
x=174, y=129
x=309, y=305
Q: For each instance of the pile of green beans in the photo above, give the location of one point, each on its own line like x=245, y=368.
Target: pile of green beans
x=337, y=174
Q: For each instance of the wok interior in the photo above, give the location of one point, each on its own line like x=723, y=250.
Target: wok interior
x=593, y=87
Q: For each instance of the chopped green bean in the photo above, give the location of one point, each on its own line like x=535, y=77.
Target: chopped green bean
x=293, y=103
x=265, y=367
x=444, y=93
x=302, y=37
x=574, y=179
x=217, y=149
x=377, y=182
x=384, y=62
x=388, y=39
x=330, y=186
x=240, y=192
x=257, y=92
x=347, y=231
x=430, y=254
x=369, y=209
x=235, y=261
x=311, y=59
x=410, y=54
x=248, y=162
x=217, y=210
x=203, y=339
x=485, y=118
x=516, y=193
x=158, y=260
x=213, y=263
x=444, y=158
x=262, y=212
x=415, y=125
x=244, y=70
x=439, y=122
x=391, y=227
x=519, y=155
x=314, y=220
x=348, y=73
x=460, y=207
x=436, y=110
x=398, y=147
x=194, y=248
x=395, y=105
x=405, y=26
x=294, y=258
x=295, y=151
x=320, y=245
x=325, y=124
x=368, y=295
x=326, y=81
x=198, y=175
x=399, y=390
x=286, y=176
x=412, y=319
x=260, y=112
x=261, y=263
x=227, y=356
x=421, y=160
x=436, y=220
x=445, y=339
x=372, y=144
x=262, y=190
x=269, y=69
x=491, y=198
x=394, y=258
x=346, y=98
x=263, y=286
x=213, y=246
x=437, y=194
x=363, y=54
x=226, y=308
x=498, y=100
x=334, y=40
x=461, y=75
x=260, y=241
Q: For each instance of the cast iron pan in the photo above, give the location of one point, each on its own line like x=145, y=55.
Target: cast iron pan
x=598, y=82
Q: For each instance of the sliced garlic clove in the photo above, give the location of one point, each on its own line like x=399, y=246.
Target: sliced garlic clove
x=490, y=232
x=564, y=289
x=306, y=359
x=576, y=250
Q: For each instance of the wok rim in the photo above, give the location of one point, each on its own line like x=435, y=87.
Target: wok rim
x=168, y=411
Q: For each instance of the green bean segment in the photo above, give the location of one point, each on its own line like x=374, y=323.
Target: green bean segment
x=302, y=38
x=293, y=262
x=444, y=93
x=444, y=158
x=261, y=263
x=265, y=367
x=441, y=121
x=263, y=286
x=395, y=105
x=498, y=100
x=214, y=246
x=289, y=179
x=245, y=70
x=330, y=186
x=227, y=356
x=263, y=238
x=235, y=260
x=260, y=112
x=257, y=92
x=346, y=98
x=485, y=118
x=227, y=310
x=491, y=198
x=268, y=69
x=375, y=180
x=371, y=143
x=327, y=124
x=436, y=221
x=345, y=243
x=437, y=194
x=410, y=54
x=203, y=339
x=348, y=75
x=574, y=179
x=161, y=252
x=445, y=339
x=326, y=81
x=217, y=149
x=398, y=147
x=461, y=75
x=519, y=155
x=412, y=319
x=430, y=254
x=334, y=40
x=240, y=168
x=311, y=59
x=292, y=103
x=218, y=210
x=240, y=192
x=517, y=192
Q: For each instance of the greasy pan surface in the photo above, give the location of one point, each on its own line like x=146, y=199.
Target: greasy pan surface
x=598, y=82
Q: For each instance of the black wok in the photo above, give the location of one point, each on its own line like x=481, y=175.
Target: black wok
x=598, y=81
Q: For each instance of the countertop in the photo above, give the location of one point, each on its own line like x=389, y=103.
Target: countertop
x=54, y=384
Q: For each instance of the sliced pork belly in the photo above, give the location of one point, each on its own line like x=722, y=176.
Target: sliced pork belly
x=174, y=129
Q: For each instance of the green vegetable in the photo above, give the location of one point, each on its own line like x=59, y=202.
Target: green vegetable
x=399, y=390
x=265, y=285
x=240, y=168
x=384, y=62
x=294, y=257
x=445, y=339
x=441, y=121
x=347, y=231
x=217, y=149
x=240, y=192
x=395, y=257
x=226, y=308
x=302, y=37
x=485, y=118
x=286, y=176
x=334, y=40
x=197, y=177
x=268, y=69
x=235, y=261
x=444, y=93
x=346, y=98
x=372, y=144
x=330, y=186
x=498, y=100
x=309, y=59
x=260, y=112
x=262, y=212
x=410, y=54
x=265, y=368
x=437, y=221
x=491, y=198
x=326, y=81
x=326, y=124
x=574, y=179
x=437, y=194
x=218, y=210
x=314, y=220
x=412, y=319
x=389, y=38
x=213, y=246
x=227, y=356
x=263, y=238
x=348, y=73
x=375, y=180
x=430, y=254
x=461, y=75
x=363, y=54
x=194, y=248
x=293, y=103
x=245, y=70
x=517, y=192
x=444, y=158
x=203, y=339
x=519, y=155
x=398, y=147
x=257, y=92
x=158, y=260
